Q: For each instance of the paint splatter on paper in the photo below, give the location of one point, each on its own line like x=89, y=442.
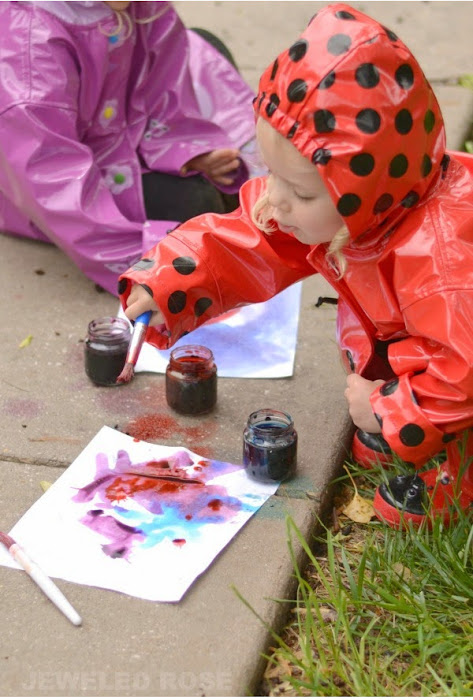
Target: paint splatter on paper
x=136, y=517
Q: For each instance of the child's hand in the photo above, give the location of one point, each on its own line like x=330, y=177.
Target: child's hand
x=216, y=165
x=358, y=394
x=140, y=301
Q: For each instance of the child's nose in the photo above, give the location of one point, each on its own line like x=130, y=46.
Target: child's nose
x=276, y=196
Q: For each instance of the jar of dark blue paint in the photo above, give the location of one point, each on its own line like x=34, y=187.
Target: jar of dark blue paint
x=105, y=350
x=270, y=446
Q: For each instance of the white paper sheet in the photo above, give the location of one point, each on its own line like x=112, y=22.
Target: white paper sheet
x=255, y=341
x=138, y=518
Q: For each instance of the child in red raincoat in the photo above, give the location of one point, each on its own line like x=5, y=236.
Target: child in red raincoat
x=362, y=190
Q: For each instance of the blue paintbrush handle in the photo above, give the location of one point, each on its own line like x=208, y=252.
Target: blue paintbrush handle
x=144, y=318
x=137, y=337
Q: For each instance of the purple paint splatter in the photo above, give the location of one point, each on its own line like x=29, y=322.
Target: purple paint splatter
x=173, y=491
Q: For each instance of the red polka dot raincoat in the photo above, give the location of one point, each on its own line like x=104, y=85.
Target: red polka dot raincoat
x=354, y=101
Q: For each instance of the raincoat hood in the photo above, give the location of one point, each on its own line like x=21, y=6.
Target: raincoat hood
x=354, y=101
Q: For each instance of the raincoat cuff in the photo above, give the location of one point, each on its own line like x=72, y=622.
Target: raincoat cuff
x=405, y=426
x=170, y=272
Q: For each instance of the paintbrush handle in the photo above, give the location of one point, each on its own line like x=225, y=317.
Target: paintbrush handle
x=137, y=337
x=48, y=587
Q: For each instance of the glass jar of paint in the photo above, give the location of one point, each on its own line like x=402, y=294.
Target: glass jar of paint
x=191, y=380
x=270, y=446
x=106, y=347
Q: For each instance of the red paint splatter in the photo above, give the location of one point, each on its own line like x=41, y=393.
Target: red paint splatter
x=179, y=542
x=169, y=487
x=152, y=426
x=215, y=504
x=157, y=426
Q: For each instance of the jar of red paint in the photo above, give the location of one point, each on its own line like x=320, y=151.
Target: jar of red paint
x=106, y=347
x=191, y=380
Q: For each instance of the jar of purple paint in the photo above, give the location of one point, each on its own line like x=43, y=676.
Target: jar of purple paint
x=270, y=446
x=106, y=347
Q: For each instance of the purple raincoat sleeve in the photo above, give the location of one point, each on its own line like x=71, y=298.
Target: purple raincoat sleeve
x=84, y=113
x=61, y=191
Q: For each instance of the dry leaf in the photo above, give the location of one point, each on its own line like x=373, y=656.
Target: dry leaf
x=402, y=571
x=26, y=341
x=359, y=509
x=328, y=614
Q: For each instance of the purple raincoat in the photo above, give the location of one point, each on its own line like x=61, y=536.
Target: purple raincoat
x=85, y=111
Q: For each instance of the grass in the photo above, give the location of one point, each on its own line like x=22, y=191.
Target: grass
x=378, y=612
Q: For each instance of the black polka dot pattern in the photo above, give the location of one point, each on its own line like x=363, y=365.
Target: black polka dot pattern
x=398, y=166
x=296, y=91
x=426, y=166
x=410, y=200
x=389, y=387
x=177, y=302
x=348, y=204
x=343, y=14
x=275, y=69
x=403, y=121
x=368, y=121
x=411, y=435
x=362, y=164
x=404, y=76
x=444, y=163
x=324, y=121
x=327, y=82
x=364, y=111
x=429, y=121
x=298, y=50
x=122, y=286
x=367, y=75
x=184, y=265
x=390, y=34
x=383, y=203
x=351, y=363
x=273, y=105
x=201, y=306
x=338, y=44
x=321, y=156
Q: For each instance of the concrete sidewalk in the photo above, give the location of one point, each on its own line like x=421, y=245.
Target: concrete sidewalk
x=210, y=643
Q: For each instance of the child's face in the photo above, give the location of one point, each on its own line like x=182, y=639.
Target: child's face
x=297, y=195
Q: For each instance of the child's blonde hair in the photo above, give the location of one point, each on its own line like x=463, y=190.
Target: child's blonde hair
x=261, y=216
x=123, y=18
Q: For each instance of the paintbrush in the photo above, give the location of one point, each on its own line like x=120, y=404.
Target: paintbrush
x=136, y=342
x=48, y=587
